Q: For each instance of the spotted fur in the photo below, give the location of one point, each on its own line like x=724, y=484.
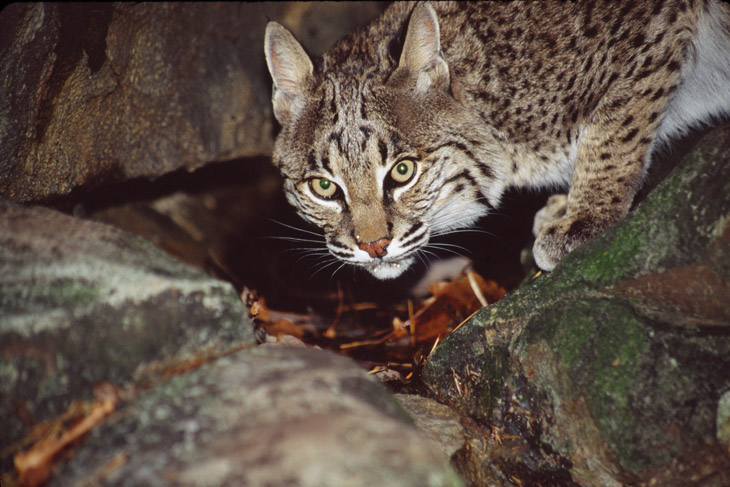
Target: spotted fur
x=484, y=96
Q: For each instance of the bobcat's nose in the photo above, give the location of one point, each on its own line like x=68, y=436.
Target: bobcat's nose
x=376, y=249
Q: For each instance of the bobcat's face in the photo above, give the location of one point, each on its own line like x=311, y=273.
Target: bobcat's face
x=377, y=195
x=380, y=160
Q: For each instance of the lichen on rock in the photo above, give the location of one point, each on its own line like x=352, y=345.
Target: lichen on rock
x=82, y=303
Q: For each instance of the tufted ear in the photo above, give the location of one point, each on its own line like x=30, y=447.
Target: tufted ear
x=421, y=55
x=290, y=68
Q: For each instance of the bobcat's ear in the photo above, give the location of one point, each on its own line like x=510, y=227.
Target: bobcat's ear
x=421, y=55
x=290, y=68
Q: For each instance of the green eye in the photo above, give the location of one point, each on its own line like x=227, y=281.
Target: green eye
x=323, y=187
x=403, y=171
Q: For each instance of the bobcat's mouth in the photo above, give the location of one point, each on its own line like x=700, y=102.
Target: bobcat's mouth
x=388, y=269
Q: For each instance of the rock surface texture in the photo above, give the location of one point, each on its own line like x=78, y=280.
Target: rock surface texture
x=101, y=93
x=612, y=368
x=277, y=416
x=83, y=303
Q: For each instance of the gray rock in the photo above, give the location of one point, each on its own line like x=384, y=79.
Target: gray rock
x=438, y=422
x=723, y=420
x=274, y=416
x=609, y=370
x=96, y=93
x=82, y=302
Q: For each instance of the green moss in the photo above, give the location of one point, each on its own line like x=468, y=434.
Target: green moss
x=609, y=390
x=601, y=345
x=573, y=336
x=73, y=293
x=67, y=293
x=609, y=263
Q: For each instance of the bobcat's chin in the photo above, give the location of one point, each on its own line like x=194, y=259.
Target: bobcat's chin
x=388, y=269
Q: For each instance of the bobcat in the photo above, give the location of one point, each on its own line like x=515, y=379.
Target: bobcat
x=416, y=123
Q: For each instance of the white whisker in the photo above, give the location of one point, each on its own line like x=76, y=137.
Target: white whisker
x=423, y=256
x=295, y=239
x=462, y=230
x=337, y=270
x=448, y=248
x=295, y=228
x=444, y=246
x=318, y=256
x=306, y=250
x=325, y=266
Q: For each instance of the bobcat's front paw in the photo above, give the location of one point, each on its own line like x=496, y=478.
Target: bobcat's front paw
x=553, y=210
x=547, y=250
x=559, y=237
x=550, y=246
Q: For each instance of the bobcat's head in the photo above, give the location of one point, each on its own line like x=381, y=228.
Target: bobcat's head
x=379, y=152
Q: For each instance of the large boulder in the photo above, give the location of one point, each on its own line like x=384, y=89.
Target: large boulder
x=98, y=93
x=82, y=303
x=614, y=368
x=275, y=416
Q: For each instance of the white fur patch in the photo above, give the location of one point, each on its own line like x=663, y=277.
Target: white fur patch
x=704, y=92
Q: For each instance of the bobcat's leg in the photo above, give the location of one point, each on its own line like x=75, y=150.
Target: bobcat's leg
x=605, y=181
x=614, y=145
x=613, y=155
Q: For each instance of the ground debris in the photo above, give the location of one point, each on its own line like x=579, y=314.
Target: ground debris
x=391, y=342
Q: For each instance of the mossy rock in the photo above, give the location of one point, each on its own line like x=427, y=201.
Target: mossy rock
x=83, y=303
x=615, y=362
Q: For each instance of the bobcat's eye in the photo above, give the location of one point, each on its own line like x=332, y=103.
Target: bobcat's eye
x=323, y=187
x=403, y=171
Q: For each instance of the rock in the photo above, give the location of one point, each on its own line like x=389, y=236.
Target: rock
x=98, y=93
x=273, y=416
x=83, y=302
x=437, y=421
x=609, y=370
x=723, y=420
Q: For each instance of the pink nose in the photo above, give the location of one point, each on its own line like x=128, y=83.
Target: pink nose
x=376, y=249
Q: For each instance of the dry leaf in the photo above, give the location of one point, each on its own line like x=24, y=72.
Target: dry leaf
x=283, y=327
x=454, y=302
x=35, y=465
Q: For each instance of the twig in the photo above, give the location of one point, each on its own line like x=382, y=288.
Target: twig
x=475, y=288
